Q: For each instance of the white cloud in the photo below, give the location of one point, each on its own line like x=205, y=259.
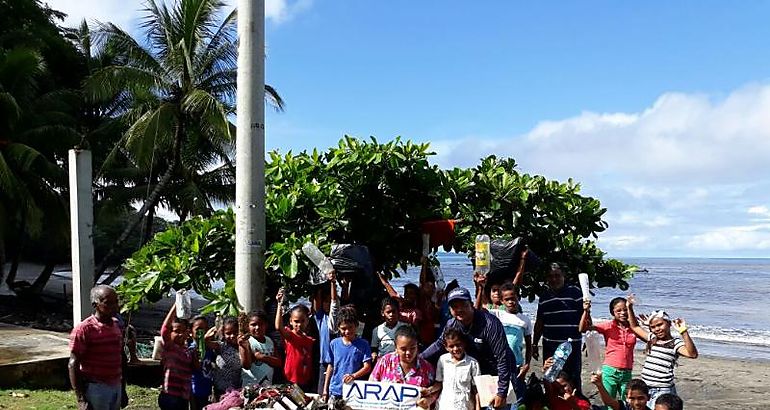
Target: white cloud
x=126, y=13
x=681, y=173
x=733, y=238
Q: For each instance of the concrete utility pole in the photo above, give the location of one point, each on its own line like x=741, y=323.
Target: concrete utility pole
x=82, y=231
x=250, y=156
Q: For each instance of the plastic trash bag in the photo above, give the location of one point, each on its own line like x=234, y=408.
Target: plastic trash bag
x=593, y=342
x=183, y=304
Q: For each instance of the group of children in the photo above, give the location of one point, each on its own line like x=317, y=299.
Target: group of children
x=236, y=355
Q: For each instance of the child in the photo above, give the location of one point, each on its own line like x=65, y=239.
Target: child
x=262, y=349
x=637, y=395
x=668, y=401
x=384, y=335
x=324, y=309
x=178, y=363
x=562, y=393
x=454, y=375
x=518, y=330
x=662, y=349
x=298, y=366
x=351, y=357
x=409, y=311
x=201, y=376
x=404, y=365
x=233, y=355
x=620, y=341
x=489, y=293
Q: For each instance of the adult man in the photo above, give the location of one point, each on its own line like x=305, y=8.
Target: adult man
x=558, y=316
x=486, y=341
x=95, y=359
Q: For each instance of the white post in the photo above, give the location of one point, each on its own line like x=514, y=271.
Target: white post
x=81, y=228
x=250, y=156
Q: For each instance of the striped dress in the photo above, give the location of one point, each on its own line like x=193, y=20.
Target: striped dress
x=177, y=369
x=658, y=369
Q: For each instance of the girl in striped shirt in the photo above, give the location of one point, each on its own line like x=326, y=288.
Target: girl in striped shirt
x=178, y=363
x=662, y=350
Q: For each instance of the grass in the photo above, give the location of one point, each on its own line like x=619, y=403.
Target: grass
x=140, y=398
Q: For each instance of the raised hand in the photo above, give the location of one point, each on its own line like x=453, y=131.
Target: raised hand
x=631, y=299
x=643, y=319
x=596, y=378
x=680, y=325
x=479, y=279
x=279, y=296
x=586, y=304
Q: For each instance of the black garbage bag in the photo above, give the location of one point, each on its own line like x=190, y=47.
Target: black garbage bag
x=354, y=264
x=506, y=256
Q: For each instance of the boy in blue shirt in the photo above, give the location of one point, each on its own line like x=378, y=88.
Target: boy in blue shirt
x=351, y=356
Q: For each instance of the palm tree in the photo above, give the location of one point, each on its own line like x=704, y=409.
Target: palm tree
x=180, y=87
x=32, y=186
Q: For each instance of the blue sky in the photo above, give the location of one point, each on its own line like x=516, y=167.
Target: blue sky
x=660, y=109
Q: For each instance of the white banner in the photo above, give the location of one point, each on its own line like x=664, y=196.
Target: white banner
x=366, y=395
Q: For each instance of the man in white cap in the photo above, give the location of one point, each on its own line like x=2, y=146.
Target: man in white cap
x=486, y=341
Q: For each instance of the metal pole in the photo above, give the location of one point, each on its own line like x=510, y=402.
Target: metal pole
x=81, y=228
x=250, y=156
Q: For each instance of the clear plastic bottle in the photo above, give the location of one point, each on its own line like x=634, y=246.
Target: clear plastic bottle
x=559, y=358
x=317, y=257
x=483, y=256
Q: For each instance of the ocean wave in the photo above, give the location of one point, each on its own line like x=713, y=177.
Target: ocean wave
x=731, y=336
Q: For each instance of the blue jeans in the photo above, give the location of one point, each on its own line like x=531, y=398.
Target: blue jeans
x=103, y=396
x=655, y=392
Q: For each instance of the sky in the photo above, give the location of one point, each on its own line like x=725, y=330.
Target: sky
x=661, y=110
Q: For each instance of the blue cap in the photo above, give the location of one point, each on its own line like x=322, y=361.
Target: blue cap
x=459, y=294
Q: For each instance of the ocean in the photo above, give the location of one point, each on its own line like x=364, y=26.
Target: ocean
x=724, y=301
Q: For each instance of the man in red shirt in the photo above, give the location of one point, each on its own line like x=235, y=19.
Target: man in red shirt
x=95, y=358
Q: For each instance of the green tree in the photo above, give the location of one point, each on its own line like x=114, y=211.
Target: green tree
x=178, y=91
x=378, y=195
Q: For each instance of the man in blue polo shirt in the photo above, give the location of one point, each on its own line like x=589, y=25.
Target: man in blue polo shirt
x=559, y=310
x=486, y=342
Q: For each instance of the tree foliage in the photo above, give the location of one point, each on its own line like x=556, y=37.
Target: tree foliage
x=378, y=195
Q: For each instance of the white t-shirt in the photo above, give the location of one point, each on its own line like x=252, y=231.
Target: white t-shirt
x=457, y=381
x=384, y=338
x=516, y=326
x=259, y=373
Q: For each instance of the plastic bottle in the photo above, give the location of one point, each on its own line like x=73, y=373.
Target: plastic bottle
x=318, y=258
x=559, y=358
x=483, y=256
x=585, y=286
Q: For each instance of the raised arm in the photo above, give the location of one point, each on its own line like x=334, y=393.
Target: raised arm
x=480, y=281
x=210, y=339
x=633, y=322
x=388, y=287
x=519, y=278
x=244, y=351
x=585, y=321
x=279, y=313
x=608, y=400
x=334, y=306
x=689, y=349
x=165, y=328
